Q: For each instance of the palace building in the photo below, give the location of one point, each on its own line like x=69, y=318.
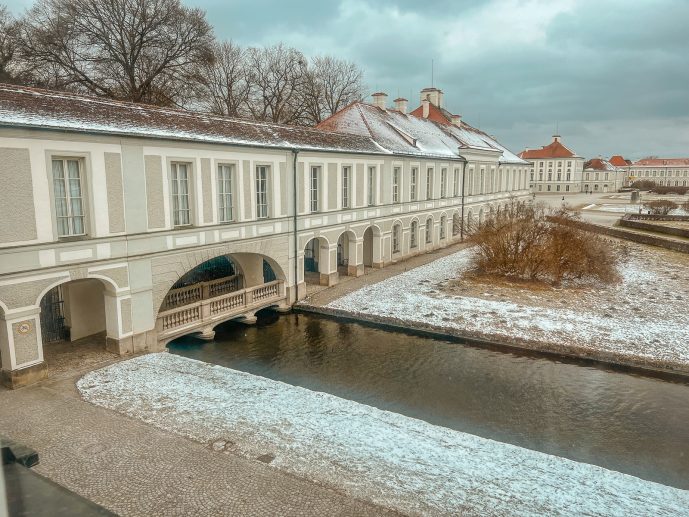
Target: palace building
x=132, y=225
x=554, y=168
x=668, y=172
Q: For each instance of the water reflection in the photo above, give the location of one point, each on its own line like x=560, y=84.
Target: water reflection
x=621, y=421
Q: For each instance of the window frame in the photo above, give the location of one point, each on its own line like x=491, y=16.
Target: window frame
x=174, y=185
x=396, y=181
x=81, y=160
x=372, y=174
x=223, y=195
x=413, y=183
x=314, y=185
x=430, y=171
x=259, y=169
x=346, y=186
x=443, y=182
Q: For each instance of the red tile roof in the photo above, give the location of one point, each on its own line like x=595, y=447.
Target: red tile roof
x=619, y=161
x=435, y=114
x=662, y=162
x=599, y=164
x=553, y=150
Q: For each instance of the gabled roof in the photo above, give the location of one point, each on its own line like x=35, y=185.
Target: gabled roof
x=619, y=161
x=436, y=114
x=405, y=133
x=662, y=162
x=599, y=164
x=35, y=108
x=555, y=149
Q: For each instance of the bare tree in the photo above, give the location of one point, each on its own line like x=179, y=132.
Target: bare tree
x=139, y=50
x=277, y=77
x=331, y=85
x=224, y=81
x=12, y=70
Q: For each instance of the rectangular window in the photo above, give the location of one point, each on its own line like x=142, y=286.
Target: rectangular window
x=567, y=188
x=262, y=191
x=443, y=183
x=181, y=211
x=569, y=176
x=345, y=186
x=413, y=183
x=225, y=204
x=69, y=202
x=313, y=187
x=396, y=185
x=371, y=186
x=429, y=183
x=456, y=187
x=482, y=181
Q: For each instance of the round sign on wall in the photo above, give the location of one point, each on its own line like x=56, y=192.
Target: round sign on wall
x=24, y=327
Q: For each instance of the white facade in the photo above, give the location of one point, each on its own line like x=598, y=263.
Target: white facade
x=147, y=210
x=668, y=172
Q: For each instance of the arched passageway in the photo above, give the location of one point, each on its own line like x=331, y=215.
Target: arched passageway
x=372, y=253
x=348, y=261
x=233, y=286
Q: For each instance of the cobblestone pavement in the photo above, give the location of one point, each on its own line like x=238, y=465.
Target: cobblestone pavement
x=132, y=468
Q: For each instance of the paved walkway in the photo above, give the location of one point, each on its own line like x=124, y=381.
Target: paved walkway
x=133, y=468
x=319, y=296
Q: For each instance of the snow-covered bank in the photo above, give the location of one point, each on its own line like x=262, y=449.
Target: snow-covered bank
x=392, y=460
x=641, y=321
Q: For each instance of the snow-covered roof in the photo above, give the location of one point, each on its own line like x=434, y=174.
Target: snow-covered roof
x=600, y=164
x=35, y=108
x=405, y=133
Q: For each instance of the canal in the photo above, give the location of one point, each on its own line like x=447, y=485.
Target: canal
x=617, y=419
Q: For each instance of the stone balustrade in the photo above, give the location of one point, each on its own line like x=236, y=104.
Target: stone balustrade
x=209, y=304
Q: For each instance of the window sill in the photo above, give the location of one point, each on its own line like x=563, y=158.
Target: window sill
x=72, y=238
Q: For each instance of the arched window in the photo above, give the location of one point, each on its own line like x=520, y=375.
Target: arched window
x=429, y=230
x=413, y=237
x=396, y=238
x=442, y=227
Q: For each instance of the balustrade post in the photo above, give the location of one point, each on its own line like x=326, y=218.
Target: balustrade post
x=205, y=290
x=249, y=297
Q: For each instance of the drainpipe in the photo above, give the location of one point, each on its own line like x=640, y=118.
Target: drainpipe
x=295, y=153
x=461, y=232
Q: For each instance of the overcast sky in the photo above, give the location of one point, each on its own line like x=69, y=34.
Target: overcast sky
x=612, y=74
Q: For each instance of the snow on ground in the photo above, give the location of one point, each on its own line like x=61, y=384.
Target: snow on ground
x=642, y=320
x=392, y=460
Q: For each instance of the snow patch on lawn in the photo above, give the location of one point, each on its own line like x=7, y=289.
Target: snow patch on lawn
x=392, y=460
x=642, y=317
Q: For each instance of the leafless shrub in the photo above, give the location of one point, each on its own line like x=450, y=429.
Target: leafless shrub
x=661, y=206
x=528, y=243
x=644, y=184
x=670, y=190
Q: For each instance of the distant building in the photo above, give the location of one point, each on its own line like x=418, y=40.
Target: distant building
x=600, y=175
x=621, y=162
x=554, y=168
x=663, y=171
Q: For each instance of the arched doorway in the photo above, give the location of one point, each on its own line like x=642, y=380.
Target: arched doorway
x=347, y=263
x=311, y=256
x=368, y=247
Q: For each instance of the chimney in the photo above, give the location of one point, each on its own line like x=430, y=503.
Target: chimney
x=434, y=95
x=379, y=99
x=401, y=104
x=426, y=107
x=556, y=138
x=456, y=120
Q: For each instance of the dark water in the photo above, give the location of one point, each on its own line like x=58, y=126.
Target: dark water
x=619, y=420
